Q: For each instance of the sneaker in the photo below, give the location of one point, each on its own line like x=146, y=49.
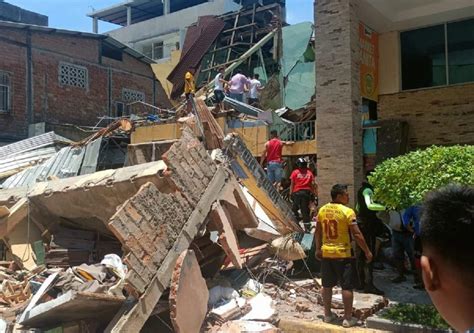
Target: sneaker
x=399, y=279
x=349, y=323
x=330, y=318
x=374, y=290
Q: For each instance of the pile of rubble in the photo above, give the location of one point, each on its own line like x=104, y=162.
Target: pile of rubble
x=177, y=243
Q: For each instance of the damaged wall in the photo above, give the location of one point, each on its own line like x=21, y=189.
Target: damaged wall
x=33, y=60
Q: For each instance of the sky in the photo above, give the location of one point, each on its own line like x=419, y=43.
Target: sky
x=71, y=14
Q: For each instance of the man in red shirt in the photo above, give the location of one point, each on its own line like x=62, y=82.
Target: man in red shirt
x=302, y=189
x=272, y=153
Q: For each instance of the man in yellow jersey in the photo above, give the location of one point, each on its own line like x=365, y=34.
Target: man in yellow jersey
x=189, y=87
x=336, y=224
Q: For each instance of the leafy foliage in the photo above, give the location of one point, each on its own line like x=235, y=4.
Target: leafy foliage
x=403, y=181
x=425, y=315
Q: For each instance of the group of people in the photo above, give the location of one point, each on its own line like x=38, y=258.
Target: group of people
x=446, y=230
x=443, y=226
x=235, y=88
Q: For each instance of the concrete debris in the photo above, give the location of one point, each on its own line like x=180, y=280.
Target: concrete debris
x=188, y=295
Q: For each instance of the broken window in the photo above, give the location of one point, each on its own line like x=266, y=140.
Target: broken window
x=129, y=95
x=73, y=75
x=5, y=92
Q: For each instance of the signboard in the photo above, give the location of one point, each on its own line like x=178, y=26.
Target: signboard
x=369, y=62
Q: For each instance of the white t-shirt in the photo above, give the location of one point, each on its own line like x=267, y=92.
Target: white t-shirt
x=218, y=85
x=254, y=86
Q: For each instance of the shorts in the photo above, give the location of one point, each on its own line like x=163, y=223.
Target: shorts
x=219, y=95
x=275, y=171
x=339, y=271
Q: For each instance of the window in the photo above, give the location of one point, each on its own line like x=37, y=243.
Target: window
x=158, y=50
x=154, y=50
x=461, y=51
x=73, y=75
x=438, y=55
x=130, y=96
x=5, y=92
x=111, y=52
x=119, y=109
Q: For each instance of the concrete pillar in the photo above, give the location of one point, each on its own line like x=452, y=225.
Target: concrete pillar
x=95, y=25
x=166, y=7
x=129, y=15
x=338, y=125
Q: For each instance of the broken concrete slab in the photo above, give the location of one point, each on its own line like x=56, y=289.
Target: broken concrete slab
x=147, y=152
x=73, y=306
x=188, y=295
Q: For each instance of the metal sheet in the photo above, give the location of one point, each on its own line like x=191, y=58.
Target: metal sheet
x=64, y=164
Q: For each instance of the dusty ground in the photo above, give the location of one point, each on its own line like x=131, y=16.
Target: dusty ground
x=399, y=292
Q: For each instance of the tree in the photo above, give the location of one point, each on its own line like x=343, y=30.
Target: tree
x=403, y=181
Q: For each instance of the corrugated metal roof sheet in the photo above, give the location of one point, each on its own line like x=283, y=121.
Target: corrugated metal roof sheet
x=29, y=152
x=65, y=163
x=200, y=40
x=35, y=142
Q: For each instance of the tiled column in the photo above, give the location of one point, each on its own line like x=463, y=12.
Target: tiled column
x=338, y=124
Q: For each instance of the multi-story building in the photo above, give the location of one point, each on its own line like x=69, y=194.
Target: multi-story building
x=409, y=63
x=157, y=27
x=58, y=76
x=11, y=13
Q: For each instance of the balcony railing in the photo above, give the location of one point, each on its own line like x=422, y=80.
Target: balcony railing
x=302, y=131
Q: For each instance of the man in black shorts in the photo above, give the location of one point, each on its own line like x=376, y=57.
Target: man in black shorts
x=336, y=223
x=219, y=88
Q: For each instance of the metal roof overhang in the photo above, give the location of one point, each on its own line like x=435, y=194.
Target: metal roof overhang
x=142, y=10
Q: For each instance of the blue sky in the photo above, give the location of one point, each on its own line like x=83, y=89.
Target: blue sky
x=71, y=14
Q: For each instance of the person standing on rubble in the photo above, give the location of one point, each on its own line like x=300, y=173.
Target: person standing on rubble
x=238, y=84
x=219, y=88
x=189, y=88
x=302, y=189
x=255, y=88
x=336, y=223
x=369, y=225
x=272, y=153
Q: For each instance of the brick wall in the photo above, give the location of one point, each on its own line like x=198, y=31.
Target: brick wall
x=338, y=128
x=441, y=116
x=56, y=103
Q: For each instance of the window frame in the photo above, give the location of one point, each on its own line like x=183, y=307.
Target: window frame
x=446, y=51
x=8, y=85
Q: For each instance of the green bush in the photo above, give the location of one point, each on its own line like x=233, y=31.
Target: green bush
x=425, y=315
x=403, y=181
